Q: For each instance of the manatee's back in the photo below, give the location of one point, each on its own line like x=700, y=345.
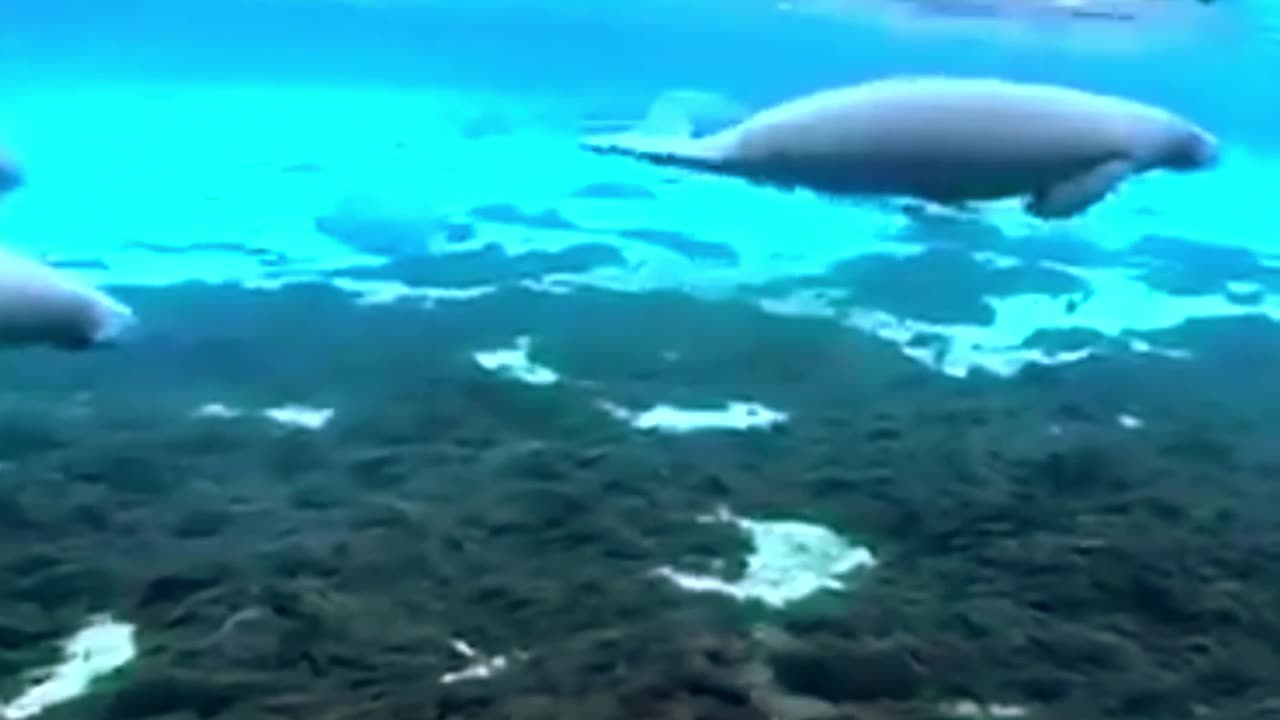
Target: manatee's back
x=938, y=136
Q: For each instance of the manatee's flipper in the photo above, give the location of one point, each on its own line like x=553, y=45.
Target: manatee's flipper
x=1076, y=194
x=671, y=151
x=923, y=209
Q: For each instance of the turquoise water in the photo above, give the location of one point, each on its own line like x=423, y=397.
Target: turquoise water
x=432, y=413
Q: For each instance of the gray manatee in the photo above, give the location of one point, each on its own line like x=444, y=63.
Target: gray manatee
x=40, y=305
x=943, y=140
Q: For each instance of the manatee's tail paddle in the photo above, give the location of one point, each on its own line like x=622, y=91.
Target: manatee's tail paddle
x=666, y=136
x=667, y=150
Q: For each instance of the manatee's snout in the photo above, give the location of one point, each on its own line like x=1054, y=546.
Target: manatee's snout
x=1207, y=153
x=1196, y=150
x=117, y=323
x=106, y=324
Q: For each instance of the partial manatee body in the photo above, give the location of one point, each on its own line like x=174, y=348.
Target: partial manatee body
x=40, y=305
x=943, y=140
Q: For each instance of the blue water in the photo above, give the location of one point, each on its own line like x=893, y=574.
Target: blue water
x=1224, y=75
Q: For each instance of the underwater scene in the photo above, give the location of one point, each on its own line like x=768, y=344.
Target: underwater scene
x=648, y=360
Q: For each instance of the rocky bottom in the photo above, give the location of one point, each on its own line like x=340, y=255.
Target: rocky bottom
x=1094, y=540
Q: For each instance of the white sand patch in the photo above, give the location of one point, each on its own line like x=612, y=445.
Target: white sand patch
x=1242, y=289
x=552, y=284
x=955, y=350
x=481, y=668
x=300, y=416
x=303, y=417
x=735, y=415
x=790, y=561
x=971, y=710
x=377, y=292
x=216, y=410
x=1130, y=422
x=513, y=362
x=100, y=648
x=1118, y=303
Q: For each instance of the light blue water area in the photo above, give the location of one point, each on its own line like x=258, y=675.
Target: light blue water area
x=233, y=127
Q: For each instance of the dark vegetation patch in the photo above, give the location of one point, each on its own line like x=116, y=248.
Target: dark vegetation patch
x=1032, y=550
x=945, y=286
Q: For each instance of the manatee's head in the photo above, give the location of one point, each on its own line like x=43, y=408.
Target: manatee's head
x=109, y=322
x=1189, y=149
x=89, y=319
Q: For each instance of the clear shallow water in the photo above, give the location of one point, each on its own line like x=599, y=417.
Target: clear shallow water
x=162, y=126
x=356, y=459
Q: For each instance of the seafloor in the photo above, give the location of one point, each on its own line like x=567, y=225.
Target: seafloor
x=1078, y=540
x=1032, y=549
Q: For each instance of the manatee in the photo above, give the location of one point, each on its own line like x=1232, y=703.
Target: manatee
x=40, y=305
x=944, y=140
